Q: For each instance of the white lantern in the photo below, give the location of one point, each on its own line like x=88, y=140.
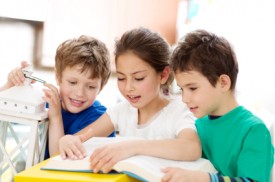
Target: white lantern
x=22, y=106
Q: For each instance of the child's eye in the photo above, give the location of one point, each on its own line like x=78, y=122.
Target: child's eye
x=193, y=88
x=139, y=79
x=91, y=87
x=72, y=82
x=120, y=79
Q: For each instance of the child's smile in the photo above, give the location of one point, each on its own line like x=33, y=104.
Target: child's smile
x=76, y=103
x=133, y=99
x=78, y=91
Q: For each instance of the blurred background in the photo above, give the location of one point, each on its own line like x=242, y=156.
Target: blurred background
x=32, y=29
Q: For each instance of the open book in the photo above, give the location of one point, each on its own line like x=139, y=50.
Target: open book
x=145, y=168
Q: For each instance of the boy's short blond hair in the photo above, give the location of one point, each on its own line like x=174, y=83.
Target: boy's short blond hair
x=89, y=52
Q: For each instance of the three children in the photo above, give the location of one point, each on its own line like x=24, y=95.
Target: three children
x=205, y=67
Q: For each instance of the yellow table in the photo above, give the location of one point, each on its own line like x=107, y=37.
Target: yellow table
x=34, y=174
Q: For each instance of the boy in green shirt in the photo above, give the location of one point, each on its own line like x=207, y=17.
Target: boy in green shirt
x=237, y=142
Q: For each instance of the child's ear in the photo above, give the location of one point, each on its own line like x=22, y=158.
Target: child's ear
x=165, y=75
x=225, y=82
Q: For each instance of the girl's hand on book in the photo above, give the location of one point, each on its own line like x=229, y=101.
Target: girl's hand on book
x=174, y=174
x=71, y=146
x=104, y=158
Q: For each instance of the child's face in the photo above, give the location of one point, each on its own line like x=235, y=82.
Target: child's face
x=137, y=81
x=198, y=93
x=77, y=90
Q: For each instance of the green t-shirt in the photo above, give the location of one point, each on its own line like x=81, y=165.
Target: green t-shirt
x=238, y=144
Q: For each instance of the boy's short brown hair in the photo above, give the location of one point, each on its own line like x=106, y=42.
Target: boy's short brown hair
x=208, y=54
x=89, y=52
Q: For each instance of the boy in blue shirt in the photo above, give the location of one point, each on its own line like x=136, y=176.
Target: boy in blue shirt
x=233, y=139
x=82, y=68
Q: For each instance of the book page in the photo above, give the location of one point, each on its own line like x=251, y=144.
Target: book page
x=57, y=163
x=149, y=168
x=142, y=167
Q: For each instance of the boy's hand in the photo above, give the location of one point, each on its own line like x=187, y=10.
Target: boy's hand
x=52, y=98
x=174, y=174
x=16, y=76
x=104, y=158
x=71, y=146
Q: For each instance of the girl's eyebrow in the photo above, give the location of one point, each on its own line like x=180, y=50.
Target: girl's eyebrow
x=136, y=72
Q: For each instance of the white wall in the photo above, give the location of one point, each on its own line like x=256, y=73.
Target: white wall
x=16, y=39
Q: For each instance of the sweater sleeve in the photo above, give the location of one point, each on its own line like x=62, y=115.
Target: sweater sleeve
x=219, y=178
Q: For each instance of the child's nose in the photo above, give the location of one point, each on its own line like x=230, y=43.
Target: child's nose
x=129, y=86
x=185, y=98
x=79, y=91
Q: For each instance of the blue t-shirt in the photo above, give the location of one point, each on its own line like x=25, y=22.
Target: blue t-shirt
x=74, y=122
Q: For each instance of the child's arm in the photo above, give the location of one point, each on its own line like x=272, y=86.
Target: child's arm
x=173, y=174
x=56, y=128
x=71, y=145
x=185, y=147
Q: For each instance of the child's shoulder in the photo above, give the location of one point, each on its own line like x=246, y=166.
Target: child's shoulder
x=122, y=106
x=250, y=120
x=176, y=106
x=176, y=102
x=248, y=115
x=97, y=103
